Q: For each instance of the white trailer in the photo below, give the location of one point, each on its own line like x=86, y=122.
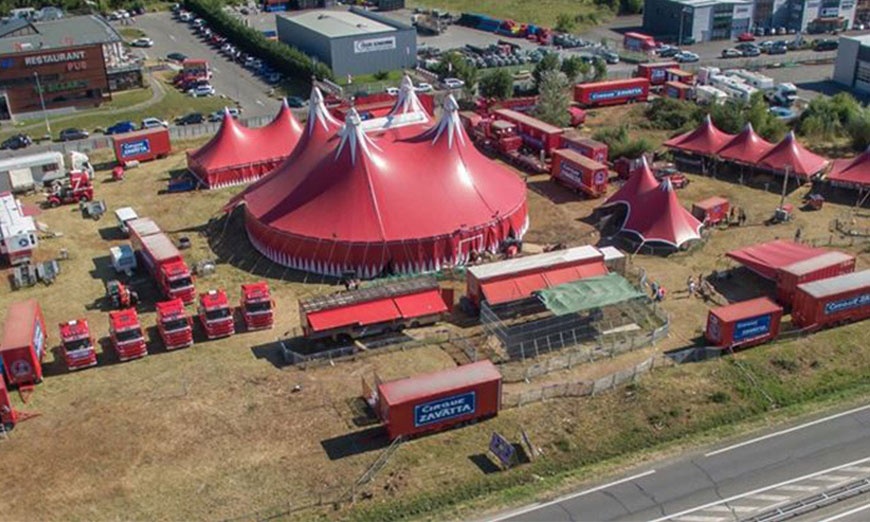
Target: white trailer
x=709, y=94
x=705, y=74
x=733, y=87
x=757, y=80
x=18, y=235
x=24, y=173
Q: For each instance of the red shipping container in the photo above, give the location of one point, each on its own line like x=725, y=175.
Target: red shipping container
x=612, y=92
x=743, y=324
x=656, y=73
x=535, y=133
x=711, y=210
x=678, y=91
x=840, y=299
x=436, y=401
x=579, y=172
x=144, y=145
x=24, y=338
x=587, y=147
x=679, y=75
x=829, y=264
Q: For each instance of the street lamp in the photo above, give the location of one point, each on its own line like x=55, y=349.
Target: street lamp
x=42, y=103
x=683, y=12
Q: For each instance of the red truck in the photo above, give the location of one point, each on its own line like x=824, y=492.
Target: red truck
x=535, y=133
x=440, y=400
x=681, y=76
x=743, y=324
x=77, y=344
x=8, y=415
x=174, y=325
x=655, y=72
x=257, y=306
x=166, y=265
x=678, y=91
x=140, y=227
x=711, y=211
x=638, y=42
x=579, y=172
x=23, y=347
x=611, y=92
x=586, y=146
x=841, y=299
x=216, y=315
x=143, y=145
x=125, y=332
x=829, y=264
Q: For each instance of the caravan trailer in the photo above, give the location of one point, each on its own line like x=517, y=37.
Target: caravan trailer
x=18, y=234
x=25, y=173
x=757, y=80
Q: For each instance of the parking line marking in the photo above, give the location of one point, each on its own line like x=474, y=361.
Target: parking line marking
x=832, y=478
x=847, y=513
x=731, y=509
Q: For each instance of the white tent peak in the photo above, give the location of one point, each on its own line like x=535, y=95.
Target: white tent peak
x=353, y=137
x=449, y=123
x=408, y=102
x=317, y=112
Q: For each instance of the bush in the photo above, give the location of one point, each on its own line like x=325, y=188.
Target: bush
x=564, y=23
x=282, y=57
x=858, y=129
x=719, y=397
x=497, y=84
x=381, y=75
x=671, y=114
x=620, y=145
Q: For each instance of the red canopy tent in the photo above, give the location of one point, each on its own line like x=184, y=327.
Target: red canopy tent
x=641, y=182
x=790, y=154
x=851, y=173
x=657, y=216
x=765, y=259
x=746, y=147
x=384, y=204
x=237, y=154
x=705, y=140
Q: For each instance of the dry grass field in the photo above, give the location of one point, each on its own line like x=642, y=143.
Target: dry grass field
x=216, y=431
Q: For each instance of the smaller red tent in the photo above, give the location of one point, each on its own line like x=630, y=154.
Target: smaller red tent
x=658, y=217
x=642, y=181
x=706, y=140
x=790, y=155
x=747, y=147
x=765, y=259
x=851, y=173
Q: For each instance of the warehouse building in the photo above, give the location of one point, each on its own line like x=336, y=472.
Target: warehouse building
x=76, y=61
x=351, y=42
x=852, y=68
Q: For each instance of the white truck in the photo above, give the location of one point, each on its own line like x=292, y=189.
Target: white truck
x=707, y=94
x=784, y=95
x=25, y=173
x=18, y=233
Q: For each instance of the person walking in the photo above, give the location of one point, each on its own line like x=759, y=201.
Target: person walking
x=654, y=289
x=797, y=235
x=692, y=287
x=741, y=217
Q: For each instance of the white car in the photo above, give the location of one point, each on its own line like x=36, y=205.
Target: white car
x=423, y=87
x=185, y=16
x=142, y=42
x=392, y=91
x=686, y=57
x=153, y=123
x=201, y=90
x=453, y=83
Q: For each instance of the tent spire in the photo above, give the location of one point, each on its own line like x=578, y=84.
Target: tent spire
x=353, y=137
x=449, y=122
x=317, y=112
x=407, y=101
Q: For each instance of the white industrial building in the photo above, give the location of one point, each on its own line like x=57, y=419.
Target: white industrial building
x=852, y=67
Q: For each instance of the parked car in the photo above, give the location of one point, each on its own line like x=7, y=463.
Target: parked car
x=142, y=42
x=668, y=51
x=274, y=78
x=746, y=37
x=219, y=115
x=766, y=45
x=686, y=57
x=192, y=118
x=121, y=127
x=453, y=83
x=73, y=134
x=748, y=49
x=825, y=45
x=783, y=113
x=392, y=91
x=778, y=48
x=201, y=90
x=19, y=141
x=153, y=123
x=423, y=87
x=731, y=53
x=610, y=57
x=176, y=57
x=296, y=102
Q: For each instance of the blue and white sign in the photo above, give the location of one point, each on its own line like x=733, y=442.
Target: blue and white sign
x=847, y=304
x=134, y=148
x=750, y=328
x=567, y=171
x=38, y=339
x=502, y=449
x=444, y=409
x=616, y=93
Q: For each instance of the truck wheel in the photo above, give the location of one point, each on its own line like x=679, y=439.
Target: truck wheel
x=53, y=203
x=84, y=198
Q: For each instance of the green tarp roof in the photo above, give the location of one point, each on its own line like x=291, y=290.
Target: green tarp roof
x=585, y=294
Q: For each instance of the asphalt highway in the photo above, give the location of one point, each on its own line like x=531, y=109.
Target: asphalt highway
x=731, y=482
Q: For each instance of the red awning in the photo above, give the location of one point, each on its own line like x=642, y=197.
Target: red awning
x=417, y=305
x=766, y=259
x=516, y=288
x=371, y=312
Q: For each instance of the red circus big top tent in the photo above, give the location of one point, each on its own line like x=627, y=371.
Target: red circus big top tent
x=790, y=155
x=400, y=196
x=238, y=154
x=705, y=140
x=853, y=172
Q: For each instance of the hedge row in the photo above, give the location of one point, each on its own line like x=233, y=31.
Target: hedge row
x=281, y=57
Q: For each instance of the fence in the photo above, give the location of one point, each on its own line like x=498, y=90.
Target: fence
x=581, y=388
x=358, y=350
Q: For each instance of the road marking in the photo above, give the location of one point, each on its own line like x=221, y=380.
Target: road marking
x=847, y=513
x=789, y=430
x=700, y=518
x=833, y=478
x=258, y=102
x=781, y=485
x=215, y=70
x=799, y=488
x=858, y=469
x=769, y=498
x=536, y=507
x=171, y=37
x=731, y=509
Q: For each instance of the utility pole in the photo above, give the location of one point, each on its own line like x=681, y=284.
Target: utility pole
x=784, y=186
x=42, y=103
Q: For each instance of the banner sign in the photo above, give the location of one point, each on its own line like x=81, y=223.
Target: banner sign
x=616, y=93
x=847, y=304
x=749, y=328
x=502, y=449
x=374, y=44
x=444, y=409
x=134, y=148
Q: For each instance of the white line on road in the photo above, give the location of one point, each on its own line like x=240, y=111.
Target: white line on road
x=731, y=509
x=536, y=507
x=701, y=518
x=846, y=513
x=797, y=487
x=789, y=430
x=769, y=498
x=858, y=469
x=258, y=102
x=760, y=490
x=834, y=478
x=171, y=37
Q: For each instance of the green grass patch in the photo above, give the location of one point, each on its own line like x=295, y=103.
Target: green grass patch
x=540, y=12
x=131, y=33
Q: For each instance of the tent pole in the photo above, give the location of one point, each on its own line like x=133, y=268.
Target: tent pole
x=784, y=186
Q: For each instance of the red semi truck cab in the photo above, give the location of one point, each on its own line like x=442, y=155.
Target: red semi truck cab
x=77, y=344
x=125, y=332
x=166, y=266
x=216, y=315
x=174, y=325
x=257, y=305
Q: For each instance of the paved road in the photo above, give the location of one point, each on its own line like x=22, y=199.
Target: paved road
x=729, y=483
x=230, y=79
x=856, y=509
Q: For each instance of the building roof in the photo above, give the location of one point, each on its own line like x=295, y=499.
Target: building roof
x=710, y=3
x=746, y=147
x=814, y=264
x=335, y=24
x=12, y=25
x=65, y=32
x=855, y=171
x=638, y=183
x=706, y=139
x=586, y=294
x=657, y=216
x=862, y=39
x=765, y=259
x=835, y=285
x=535, y=262
x=790, y=155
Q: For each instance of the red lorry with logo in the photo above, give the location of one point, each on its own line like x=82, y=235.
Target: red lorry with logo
x=125, y=332
x=836, y=300
x=579, y=172
x=586, y=146
x=611, y=92
x=23, y=348
x=216, y=315
x=174, y=325
x=77, y=344
x=535, y=133
x=743, y=324
x=256, y=306
x=143, y=145
x=166, y=265
x=655, y=72
x=829, y=264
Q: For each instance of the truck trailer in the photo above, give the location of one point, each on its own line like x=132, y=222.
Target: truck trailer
x=535, y=133
x=743, y=324
x=23, y=347
x=166, y=265
x=579, y=173
x=611, y=92
x=8, y=415
x=256, y=306
x=174, y=325
x=586, y=146
x=18, y=233
x=77, y=344
x=143, y=145
x=836, y=300
x=655, y=72
x=437, y=401
x=829, y=264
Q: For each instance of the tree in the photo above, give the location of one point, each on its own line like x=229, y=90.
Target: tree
x=620, y=144
x=671, y=114
x=454, y=65
x=767, y=125
x=550, y=62
x=729, y=116
x=565, y=23
x=600, y=70
x=574, y=66
x=858, y=129
x=827, y=118
x=553, y=101
x=498, y=84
